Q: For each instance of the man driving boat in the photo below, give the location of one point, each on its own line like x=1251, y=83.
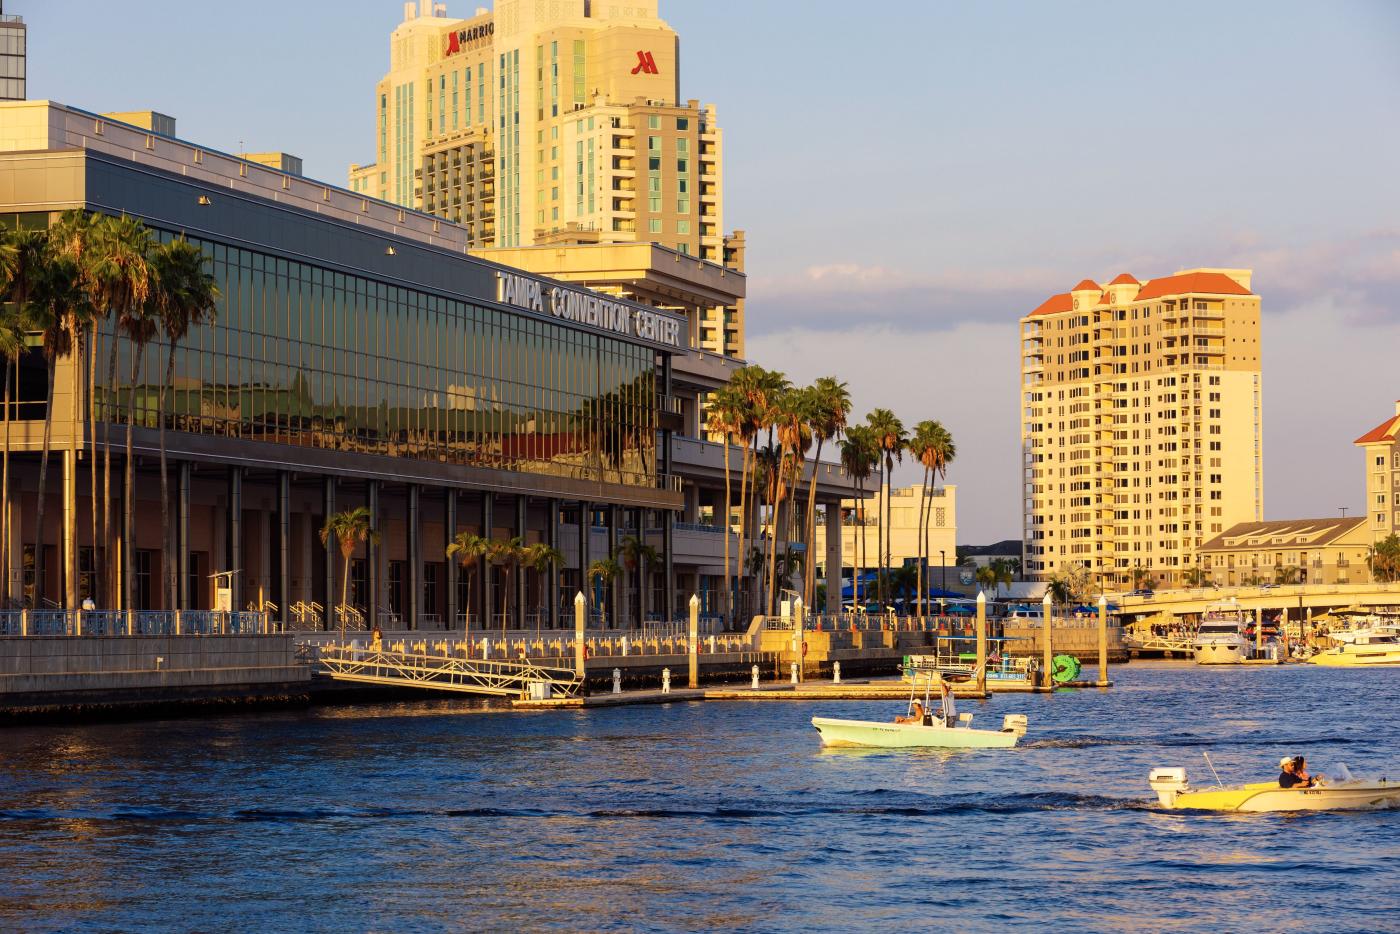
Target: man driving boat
x=1294, y=773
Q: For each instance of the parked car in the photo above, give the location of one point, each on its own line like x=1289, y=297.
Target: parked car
x=1140, y=593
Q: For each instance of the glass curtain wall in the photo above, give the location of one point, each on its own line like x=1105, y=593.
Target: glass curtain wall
x=302, y=355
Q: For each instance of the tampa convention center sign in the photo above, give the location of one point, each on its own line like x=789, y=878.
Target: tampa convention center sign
x=590, y=308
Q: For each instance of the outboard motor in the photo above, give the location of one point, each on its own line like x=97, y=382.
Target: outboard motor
x=1168, y=783
x=1014, y=723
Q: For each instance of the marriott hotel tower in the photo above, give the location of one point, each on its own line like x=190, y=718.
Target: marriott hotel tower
x=1140, y=425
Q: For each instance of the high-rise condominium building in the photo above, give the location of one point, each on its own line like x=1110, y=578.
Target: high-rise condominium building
x=14, y=58
x=1382, y=447
x=556, y=124
x=1140, y=424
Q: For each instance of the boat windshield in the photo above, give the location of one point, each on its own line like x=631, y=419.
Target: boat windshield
x=1219, y=629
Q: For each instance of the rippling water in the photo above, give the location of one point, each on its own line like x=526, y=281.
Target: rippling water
x=713, y=816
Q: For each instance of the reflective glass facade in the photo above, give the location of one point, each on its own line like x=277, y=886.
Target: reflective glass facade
x=303, y=355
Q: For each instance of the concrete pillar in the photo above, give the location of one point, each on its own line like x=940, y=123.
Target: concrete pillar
x=328, y=555
x=235, y=534
x=415, y=558
x=283, y=598
x=693, y=647
x=580, y=629
x=1047, y=622
x=517, y=598
x=585, y=533
x=552, y=574
x=483, y=567
x=182, y=538
x=1103, y=640
x=981, y=642
x=615, y=586
x=374, y=554
x=70, y=528
x=449, y=531
x=834, y=553
x=668, y=539
x=1258, y=631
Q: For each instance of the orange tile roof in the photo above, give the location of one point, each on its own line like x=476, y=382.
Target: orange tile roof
x=1086, y=286
x=1385, y=431
x=1054, y=305
x=1125, y=279
x=1213, y=283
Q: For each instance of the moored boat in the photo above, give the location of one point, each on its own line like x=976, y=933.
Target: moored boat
x=1367, y=647
x=1220, y=638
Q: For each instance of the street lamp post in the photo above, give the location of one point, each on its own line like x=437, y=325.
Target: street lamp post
x=943, y=565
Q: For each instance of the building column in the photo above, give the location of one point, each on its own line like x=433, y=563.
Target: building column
x=518, y=598
x=415, y=558
x=615, y=587
x=668, y=538
x=373, y=555
x=483, y=565
x=70, y=528
x=834, y=552
x=328, y=554
x=284, y=545
x=182, y=537
x=449, y=532
x=585, y=533
x=234, y=526
x=551, y=585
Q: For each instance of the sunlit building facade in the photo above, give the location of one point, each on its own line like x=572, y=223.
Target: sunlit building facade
x=1382, y=451
x=1140, y=424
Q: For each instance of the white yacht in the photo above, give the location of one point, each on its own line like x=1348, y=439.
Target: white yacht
x=1220, y=639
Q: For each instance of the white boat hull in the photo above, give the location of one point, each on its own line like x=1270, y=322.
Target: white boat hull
x=1347, y=656
x=873, y=734
x=1219, y=653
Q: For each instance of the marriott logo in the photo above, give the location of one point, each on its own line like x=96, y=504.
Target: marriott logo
x=645, y=64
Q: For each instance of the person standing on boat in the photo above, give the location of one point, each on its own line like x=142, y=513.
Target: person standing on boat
x=1294, y=773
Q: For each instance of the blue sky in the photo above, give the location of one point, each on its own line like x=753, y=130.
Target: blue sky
x=914, y=176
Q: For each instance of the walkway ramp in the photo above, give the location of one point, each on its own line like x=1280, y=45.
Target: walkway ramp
x=443, y=672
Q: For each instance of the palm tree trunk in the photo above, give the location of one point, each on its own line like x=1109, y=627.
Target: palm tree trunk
x=467, y=610
x=809, y=573
x=724, y=526
x=129, y=526
x=344, y=590
x=770, y=605
x=97, y=543
x=112, y=585
x=858, y=546
x=743, y=521
x=919, y=531
x=39, y=569
x=5, y=490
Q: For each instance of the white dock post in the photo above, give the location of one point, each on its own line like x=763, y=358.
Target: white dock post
x=1258, y=632
x=24, y=622
x=755, y=677
x=485, y=648
x=693, y=648
x=712, y=645
x=981, y=642
x=617, y=680
x=665, y=681
x=625, y=646
x=835, y=672
x=580, y=619
x=1103, y=640
x=794, y=672
x=1047, y=620
x=800, y=642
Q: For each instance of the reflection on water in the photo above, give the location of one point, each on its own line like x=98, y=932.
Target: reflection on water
x=717, y=816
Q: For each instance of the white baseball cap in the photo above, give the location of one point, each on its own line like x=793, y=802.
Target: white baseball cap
x=1284, y=762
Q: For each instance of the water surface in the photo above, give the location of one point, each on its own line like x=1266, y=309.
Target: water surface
x=704, y=817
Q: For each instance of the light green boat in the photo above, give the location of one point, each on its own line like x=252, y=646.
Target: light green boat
x=945, y=729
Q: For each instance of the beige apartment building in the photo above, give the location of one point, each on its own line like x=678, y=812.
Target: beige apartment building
x=1140, y=423
x=556, y=124
x=1382, y=447
x=861, y=519
x=1288, y=551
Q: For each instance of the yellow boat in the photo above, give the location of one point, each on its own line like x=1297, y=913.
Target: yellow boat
x=1174, y=791
x=1361, y=648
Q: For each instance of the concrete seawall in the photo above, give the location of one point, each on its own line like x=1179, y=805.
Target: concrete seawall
x=48, y=677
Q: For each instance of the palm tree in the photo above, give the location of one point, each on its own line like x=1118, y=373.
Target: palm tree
x=538, y=558
x=790, y=413
x=53, y=295
x=348, y=529
x=891, y=441
x=635, y=556
x=759, y=389
x=725, y=419
x=468, y=550
x=1142, y=578
x=118, y=278
x=21, y=256
x=831, y=405
x=858, y=457
x=140, y=325
x=1001, y=574
x=1060, y=591
x=933, y=447
x=185, y=295
x=603, y=570
x=507, y=553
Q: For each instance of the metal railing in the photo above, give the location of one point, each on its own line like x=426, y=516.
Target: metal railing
x=133, y=623
x=442, y=672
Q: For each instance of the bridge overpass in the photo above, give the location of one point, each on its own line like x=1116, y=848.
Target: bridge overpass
x=1297, y=598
